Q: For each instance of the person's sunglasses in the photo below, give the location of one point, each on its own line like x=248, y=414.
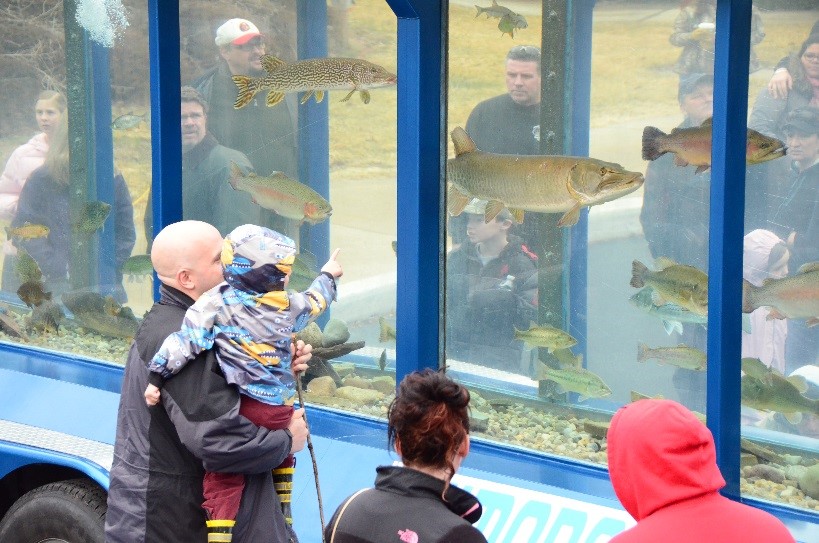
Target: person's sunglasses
x=251, y=45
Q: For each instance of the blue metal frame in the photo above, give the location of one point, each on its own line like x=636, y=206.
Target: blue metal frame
x=421, y=165
x=727, y=213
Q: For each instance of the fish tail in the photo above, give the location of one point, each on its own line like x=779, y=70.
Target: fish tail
x=642, y=352
x=248, y=87
x=235, y=175
x=480, y=10
x=747, y=295
x=638, y=269
x=651, y=143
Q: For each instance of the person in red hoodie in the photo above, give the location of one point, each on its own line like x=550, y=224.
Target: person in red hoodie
x=663, y=468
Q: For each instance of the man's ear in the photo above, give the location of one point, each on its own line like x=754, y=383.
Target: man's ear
x=185, y=279
x=397, y=446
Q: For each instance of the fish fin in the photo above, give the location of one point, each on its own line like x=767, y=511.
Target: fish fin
x=349, y=94
x=456, y=200
x=235, y=175
x=657, y=299
x=274, y=98
x=663, y=262
x=651, y=144
x=809, y=267
x=672, y=326
x=517, y=214
x=701, y=168
x=707, y=122
x=774, y=313
x=582, y=398
x=493, y=207
x=799, y=382
x=305, y=97
x=637, y=271
x=271, y=63
x=570, y=217
x=319, y=96
x=793, y=418
x=246, y=91
x=642, y=352
x=747, y=302
x=811, y=322
x=462, y=142
x=746, y=323
x=365, y=96
x=680, y=161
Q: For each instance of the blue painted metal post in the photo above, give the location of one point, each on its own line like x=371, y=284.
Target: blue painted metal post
x=578, y=105
x=421, y=166
x=166, y=117
x=725, y=240
x=314, y=123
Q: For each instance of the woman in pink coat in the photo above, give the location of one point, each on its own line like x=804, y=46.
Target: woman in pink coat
x=48, y=110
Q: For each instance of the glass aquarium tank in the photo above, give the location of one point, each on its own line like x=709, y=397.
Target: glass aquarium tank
x=576, y=220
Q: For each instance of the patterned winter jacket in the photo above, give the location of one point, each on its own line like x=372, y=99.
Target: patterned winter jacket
x=249, y=318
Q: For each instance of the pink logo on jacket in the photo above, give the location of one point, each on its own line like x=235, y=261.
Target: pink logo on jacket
x=408, y=536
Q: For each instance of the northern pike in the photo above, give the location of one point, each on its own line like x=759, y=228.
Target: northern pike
x=572, y=379
x=685, y=286
x=693, y=146
x=541, y=183
x=284, y=195
x=314, y=76
x=681, y=356
x=792, y=297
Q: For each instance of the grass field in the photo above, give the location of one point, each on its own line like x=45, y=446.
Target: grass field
x=632, y=85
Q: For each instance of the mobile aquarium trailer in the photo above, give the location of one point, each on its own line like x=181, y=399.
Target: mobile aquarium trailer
x=538, y=457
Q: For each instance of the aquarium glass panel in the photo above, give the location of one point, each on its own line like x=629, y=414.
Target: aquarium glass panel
x=577, y=285
x=76, y=147
x=780, y=349
x=274, y=134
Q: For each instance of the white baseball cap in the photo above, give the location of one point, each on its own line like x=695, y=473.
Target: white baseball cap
x=236, y=32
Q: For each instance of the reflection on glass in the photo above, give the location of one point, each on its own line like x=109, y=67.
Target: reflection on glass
x=245, y=87
x=549, y=375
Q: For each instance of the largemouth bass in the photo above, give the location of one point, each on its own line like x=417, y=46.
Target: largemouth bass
x=681, y=356
x=314, y=76
x=585, y=383
x=685, y=286
x=541, y=183
x=792, y=297
x=547, y=337
x=284, y=195
x=780, y=394
x=693, y=146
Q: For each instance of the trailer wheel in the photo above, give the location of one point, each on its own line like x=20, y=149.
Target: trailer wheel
x=70, y=511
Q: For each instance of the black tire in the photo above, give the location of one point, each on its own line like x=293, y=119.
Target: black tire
x=70, y=511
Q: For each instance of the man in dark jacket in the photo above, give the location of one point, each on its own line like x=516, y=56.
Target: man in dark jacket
x=491, y=290
x=266, y=135
x=160, y=452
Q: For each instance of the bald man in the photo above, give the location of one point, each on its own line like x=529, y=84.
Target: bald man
x=161, y=452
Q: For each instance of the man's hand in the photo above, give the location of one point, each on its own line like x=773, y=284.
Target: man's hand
x=301, y=354
x=780, y=84
x=332, y=266
x=298, y=429
x=151, y=395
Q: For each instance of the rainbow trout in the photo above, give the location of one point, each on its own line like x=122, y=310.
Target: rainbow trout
x=792, y=297
x=541, y=183
x=286, y=196
x=314, y=76
x=693, y=146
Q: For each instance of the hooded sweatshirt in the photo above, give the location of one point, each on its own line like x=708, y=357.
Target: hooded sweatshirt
x=24, y=160
x=663, y=468
x=249, y=317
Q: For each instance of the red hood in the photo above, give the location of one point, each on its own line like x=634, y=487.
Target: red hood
x=660, y=453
